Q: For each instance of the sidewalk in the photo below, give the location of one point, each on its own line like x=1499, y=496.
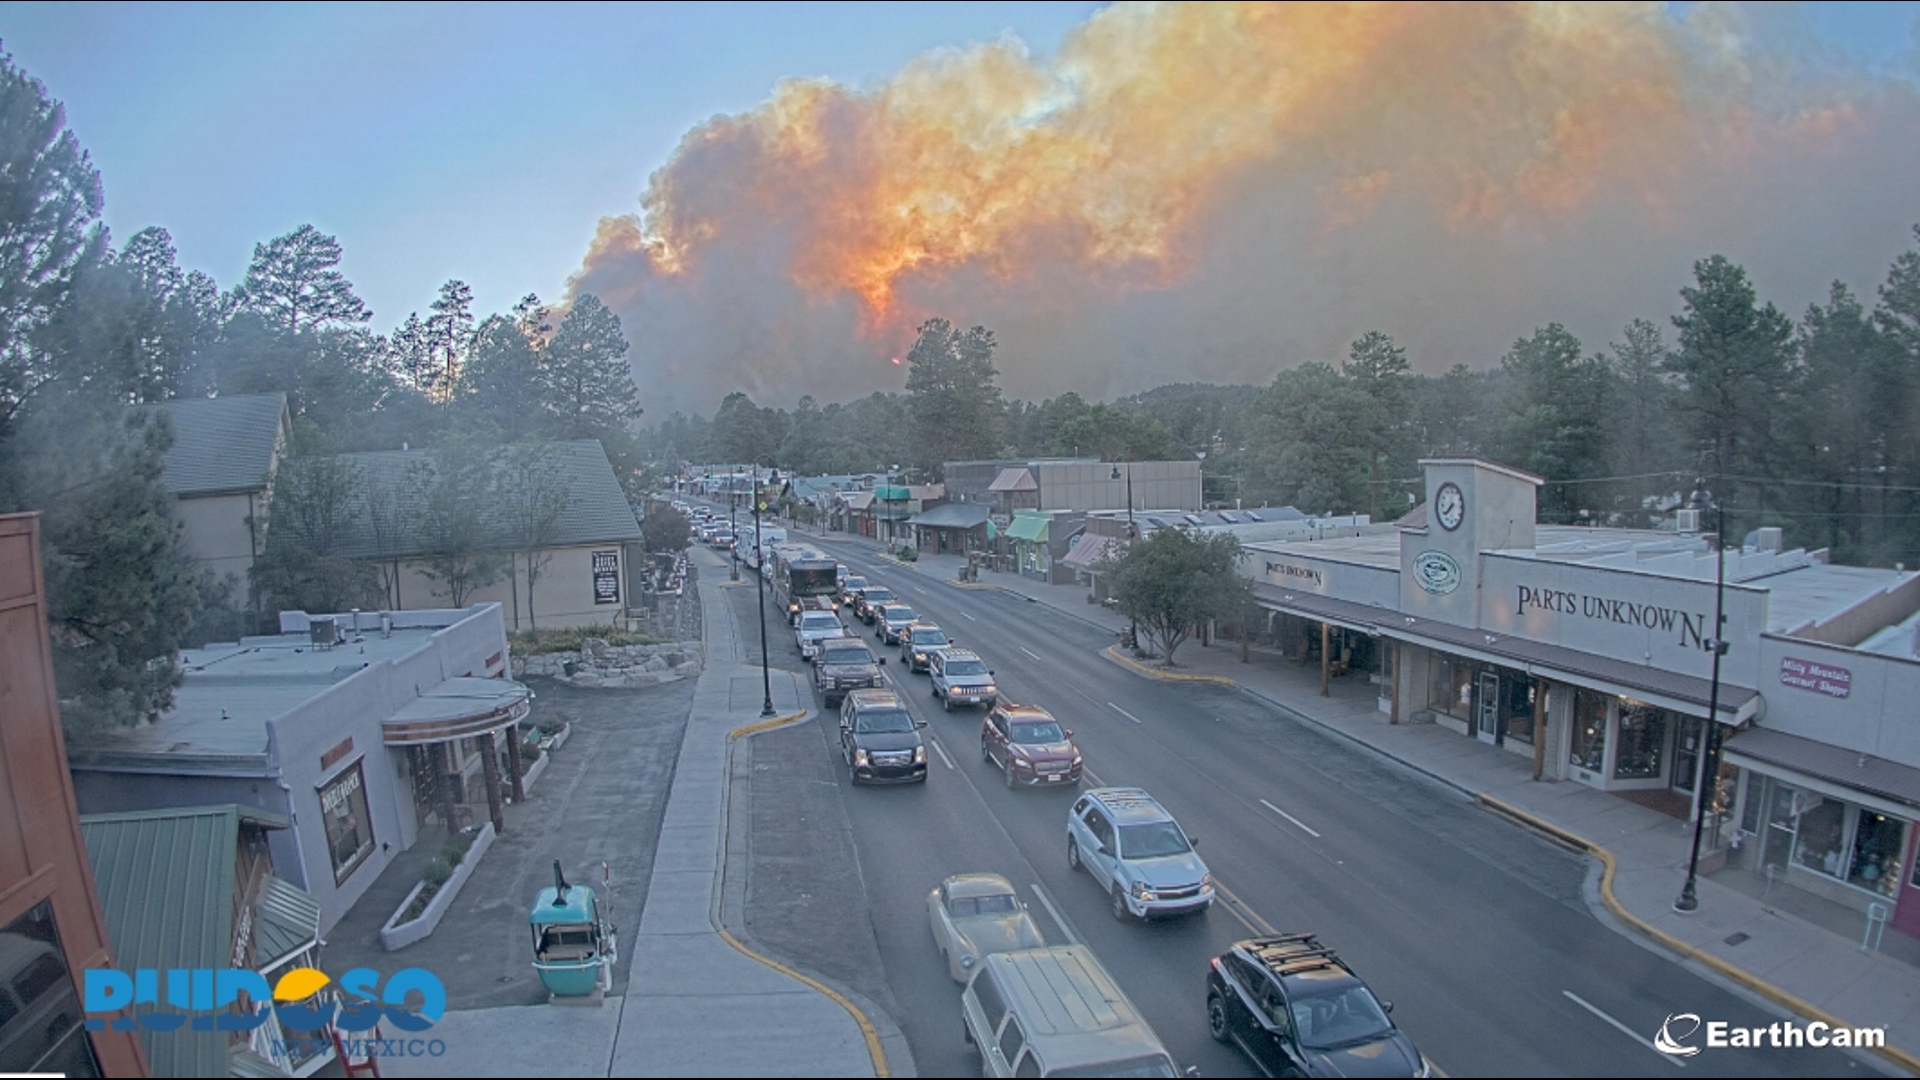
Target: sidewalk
x=696, y=1002
x=1800, y=960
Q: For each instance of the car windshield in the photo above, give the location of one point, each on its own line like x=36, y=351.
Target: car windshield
x=878, y=596
x=849, y=656
x=818, y=620
x=998, y=904
x=966, y=667
x=882, y=722
x=1038, y=731
x=1339, y=1018
x=1152, y=841
x=856, y=583
x=899, y=613
x=928, y=638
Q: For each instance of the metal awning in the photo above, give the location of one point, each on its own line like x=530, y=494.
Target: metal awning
x=1029, y=527
x=458, y=708
x=1859, y=777
x=1091, y=551
x=288, y=923
x=951, y=516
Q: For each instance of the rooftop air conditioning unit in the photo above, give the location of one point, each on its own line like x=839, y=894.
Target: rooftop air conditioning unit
x=325, y=632
x=1687, y=521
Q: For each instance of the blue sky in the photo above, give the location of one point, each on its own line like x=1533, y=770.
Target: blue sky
x=485, y=141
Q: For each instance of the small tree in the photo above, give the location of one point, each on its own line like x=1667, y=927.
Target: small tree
x=316, y=509
x=453, y=493
x=665, y=529
x=533, y=496
x=1173, y=580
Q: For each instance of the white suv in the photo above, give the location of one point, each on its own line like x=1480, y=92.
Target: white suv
x=1134, y=848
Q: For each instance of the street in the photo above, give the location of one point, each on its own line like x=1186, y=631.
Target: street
x=1475, y=930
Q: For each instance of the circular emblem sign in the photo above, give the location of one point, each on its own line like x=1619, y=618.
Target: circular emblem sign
x=1436, y=572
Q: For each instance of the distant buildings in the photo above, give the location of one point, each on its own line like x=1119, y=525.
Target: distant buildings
x=220, y=470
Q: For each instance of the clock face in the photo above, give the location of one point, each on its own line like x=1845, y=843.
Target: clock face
x=1449, y=506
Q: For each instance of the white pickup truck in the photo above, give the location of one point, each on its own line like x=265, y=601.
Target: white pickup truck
x=814, y=627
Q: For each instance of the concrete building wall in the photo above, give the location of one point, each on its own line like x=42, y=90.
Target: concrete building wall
x=215, y=531
x=1325, y=577
x=1856, y=700
x=1173, y=485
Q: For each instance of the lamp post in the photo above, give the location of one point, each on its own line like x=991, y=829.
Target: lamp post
x=1133, y=623
x=733, y=497
x=1689, y=899
x=760, y=576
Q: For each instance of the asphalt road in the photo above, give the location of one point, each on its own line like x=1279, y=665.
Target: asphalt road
x=1474, y=929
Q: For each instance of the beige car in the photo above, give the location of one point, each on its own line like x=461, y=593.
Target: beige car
x=974, y=915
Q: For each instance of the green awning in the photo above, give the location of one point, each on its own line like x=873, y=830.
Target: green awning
x=893, y=494
x=1026, y=527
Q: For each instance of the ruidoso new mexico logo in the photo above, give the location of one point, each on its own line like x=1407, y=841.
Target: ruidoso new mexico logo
x=209, y=999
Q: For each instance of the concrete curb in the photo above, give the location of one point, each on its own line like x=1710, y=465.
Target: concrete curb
x=1609, y=865
x=1112, y=652
x=875, y=1051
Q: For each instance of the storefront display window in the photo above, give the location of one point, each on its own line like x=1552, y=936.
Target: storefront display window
x=1589, y=729
x=1643, y=742
x=1450, y=687
x=343, y=806
x=1520, y=699
x=1821, y=843
x=1877, y=843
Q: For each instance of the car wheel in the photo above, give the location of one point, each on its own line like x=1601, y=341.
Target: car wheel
x=966, y=1032
x=1216, y=1018
x=934, y=689
x=1120, y=912
x=1073, y=854
x=1010, y=782
x=946, y=702
x=984, y=754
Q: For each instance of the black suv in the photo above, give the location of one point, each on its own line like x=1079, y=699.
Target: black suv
x=1297, y=1009
x=880, y=739
x=845, y=664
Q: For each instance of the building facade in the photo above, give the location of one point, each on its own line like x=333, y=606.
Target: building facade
x=220, y=470
x=1590, y=652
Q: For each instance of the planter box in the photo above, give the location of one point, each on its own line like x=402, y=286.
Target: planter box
x=398, y=935
x=534, y=771
x=559, y=738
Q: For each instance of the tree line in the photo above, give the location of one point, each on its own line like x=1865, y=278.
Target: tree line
x=1812, y=425
x=90, y=331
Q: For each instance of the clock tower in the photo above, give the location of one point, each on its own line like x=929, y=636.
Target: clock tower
x=1472, y=506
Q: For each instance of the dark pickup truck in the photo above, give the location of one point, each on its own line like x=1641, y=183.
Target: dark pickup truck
x=846, y=664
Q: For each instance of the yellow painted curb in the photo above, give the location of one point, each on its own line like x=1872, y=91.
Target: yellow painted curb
x=766, y=725
x=1609, y=865
x=974, y=585
x=733, y=584
x=874, y=1050
x=1113, y=654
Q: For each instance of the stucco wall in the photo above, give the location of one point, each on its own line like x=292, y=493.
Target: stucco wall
x=1875, y=717
x=215, y=531
x=564, y=593
x=1157, y=485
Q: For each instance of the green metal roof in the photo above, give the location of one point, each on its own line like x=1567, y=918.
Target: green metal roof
x=598, y=514
x=1029, y=527
x=166, y=880
x=288, y=923
x=222, y=444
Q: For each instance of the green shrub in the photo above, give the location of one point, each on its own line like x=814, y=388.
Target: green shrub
x=529, y=643
x=437, y=871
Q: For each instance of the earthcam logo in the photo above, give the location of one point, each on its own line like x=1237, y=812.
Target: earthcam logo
x=209, y=999
x=1673, y=1037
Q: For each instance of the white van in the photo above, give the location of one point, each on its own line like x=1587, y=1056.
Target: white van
x=1056, y=1012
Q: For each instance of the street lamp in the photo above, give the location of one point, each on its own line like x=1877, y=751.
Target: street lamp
x=1709, y=769
x=1133, y=623
x=733, y=497
x=760, y=576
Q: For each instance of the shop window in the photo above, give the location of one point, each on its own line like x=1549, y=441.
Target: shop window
x=1589, y=749
x=1643, y=742
x=1821, y=845
x=1520, y=698
x=1878, y=841
x=343, y=806
x=1450, y=687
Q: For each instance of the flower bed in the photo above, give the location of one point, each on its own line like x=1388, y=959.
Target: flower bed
x=421, y=911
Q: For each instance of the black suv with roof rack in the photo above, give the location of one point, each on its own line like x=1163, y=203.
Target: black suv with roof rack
x=1297, y=1009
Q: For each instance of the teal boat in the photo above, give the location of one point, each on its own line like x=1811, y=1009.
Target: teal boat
x=573, y=942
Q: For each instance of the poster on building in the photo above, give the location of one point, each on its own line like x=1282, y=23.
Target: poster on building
x=606, y=577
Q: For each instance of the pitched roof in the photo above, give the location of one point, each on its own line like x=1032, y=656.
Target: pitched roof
x=222, y=444
x=599, y=512
x=166, y=880
x=1014, y=479
x=952, y=516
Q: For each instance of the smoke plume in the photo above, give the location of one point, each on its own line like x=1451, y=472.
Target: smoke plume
x=1220, y=191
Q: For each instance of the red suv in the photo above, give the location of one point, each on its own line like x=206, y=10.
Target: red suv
x=1030, y=745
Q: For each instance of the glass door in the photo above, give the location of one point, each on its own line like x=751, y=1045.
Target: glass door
x=1488, y=708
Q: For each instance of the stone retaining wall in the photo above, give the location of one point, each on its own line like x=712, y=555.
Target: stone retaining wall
x=598, y=664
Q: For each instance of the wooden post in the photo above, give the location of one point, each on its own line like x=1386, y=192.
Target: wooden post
x=442, y=784
x=1540, y=728
x=1396, y=652
x=1326, y=658
x=490, y=770
x=513, y=764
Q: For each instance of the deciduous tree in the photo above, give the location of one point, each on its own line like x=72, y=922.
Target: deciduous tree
x=1172, y=581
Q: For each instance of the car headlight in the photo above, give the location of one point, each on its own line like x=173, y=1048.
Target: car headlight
x=1140, y=891
x=1076, y=757
x=920, y=755
x=1206, y=881
x=967, y=961
x=859, y=757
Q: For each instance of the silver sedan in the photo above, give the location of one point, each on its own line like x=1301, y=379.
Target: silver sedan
x=974, y=915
